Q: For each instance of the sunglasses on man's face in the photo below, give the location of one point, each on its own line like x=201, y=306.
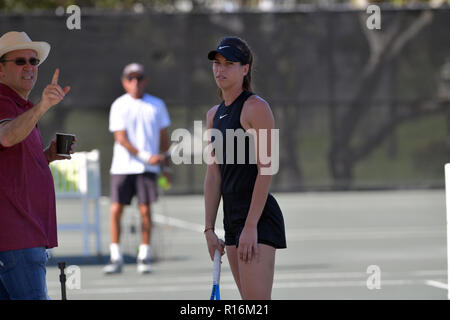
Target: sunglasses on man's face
x=23, y=61
x=138, y=78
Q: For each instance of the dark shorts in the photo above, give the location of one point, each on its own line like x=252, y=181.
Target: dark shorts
x=125, y=186
x=270, y=225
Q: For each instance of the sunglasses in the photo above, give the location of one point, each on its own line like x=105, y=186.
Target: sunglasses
x=138, y=78
x=23, y=61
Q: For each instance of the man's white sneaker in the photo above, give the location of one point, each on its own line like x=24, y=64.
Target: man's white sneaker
x=113, y=267
x=143, y=266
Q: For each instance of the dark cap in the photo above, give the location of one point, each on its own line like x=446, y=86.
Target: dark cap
x=231, y=49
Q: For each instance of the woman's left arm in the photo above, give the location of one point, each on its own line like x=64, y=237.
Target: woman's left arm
x=256, y=115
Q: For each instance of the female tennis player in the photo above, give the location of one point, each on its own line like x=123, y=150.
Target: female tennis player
x=253, y=222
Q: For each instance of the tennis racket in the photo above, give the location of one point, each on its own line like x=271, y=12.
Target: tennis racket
x=173, y=148
x=215, y=293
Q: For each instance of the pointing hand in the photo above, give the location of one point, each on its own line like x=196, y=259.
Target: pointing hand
x=53, y=93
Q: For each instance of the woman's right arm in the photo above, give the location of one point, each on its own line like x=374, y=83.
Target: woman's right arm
x=212, y=194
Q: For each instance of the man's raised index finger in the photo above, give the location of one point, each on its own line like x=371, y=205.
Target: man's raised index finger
x=55, y=76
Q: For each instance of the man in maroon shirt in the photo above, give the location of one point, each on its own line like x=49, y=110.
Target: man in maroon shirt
x=27, y=196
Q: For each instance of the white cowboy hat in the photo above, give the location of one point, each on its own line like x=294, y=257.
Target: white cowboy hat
x=14, y=40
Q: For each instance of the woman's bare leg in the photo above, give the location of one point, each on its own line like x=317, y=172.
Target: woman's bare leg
x=256, y=277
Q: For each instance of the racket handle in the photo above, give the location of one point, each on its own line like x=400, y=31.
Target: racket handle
x=216, y=267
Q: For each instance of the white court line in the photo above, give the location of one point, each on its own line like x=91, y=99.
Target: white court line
x=436, y=284
x=225, y=277
x=365, y=233
x=175, y=222
x=341, y=284
x=282, y=280
x=322, y=233
x=232, y=286
x=429, y=273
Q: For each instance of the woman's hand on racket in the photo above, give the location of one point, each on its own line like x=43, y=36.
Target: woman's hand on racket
x=214, y=243
x=248, y=244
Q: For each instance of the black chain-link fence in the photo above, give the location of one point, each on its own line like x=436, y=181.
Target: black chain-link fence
x=356, y=108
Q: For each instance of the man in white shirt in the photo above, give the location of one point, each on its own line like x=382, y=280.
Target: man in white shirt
x=139, y=122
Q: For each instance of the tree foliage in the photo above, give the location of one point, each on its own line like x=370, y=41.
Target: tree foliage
x=26, y=5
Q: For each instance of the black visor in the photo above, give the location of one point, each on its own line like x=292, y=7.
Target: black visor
x=230, y=51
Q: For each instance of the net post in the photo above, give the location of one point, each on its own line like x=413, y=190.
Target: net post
x=447, y=205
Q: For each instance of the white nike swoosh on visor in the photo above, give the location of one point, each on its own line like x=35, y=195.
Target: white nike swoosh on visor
x=220, y=48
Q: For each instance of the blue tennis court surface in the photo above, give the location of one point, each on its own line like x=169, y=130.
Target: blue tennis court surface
x=353, y=245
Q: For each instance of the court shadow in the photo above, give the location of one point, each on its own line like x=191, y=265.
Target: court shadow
x=80, y=260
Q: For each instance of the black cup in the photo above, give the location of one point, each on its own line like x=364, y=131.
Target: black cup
x=63, y=143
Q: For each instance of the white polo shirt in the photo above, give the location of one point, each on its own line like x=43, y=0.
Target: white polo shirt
x=142, y=119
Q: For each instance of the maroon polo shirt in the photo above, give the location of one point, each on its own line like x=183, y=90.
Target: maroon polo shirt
x=27, y=194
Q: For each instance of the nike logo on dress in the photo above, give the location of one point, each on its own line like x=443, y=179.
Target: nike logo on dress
x=223, y=116
x=222, y=47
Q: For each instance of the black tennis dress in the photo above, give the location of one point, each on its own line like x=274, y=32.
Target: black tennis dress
x=238, y=181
